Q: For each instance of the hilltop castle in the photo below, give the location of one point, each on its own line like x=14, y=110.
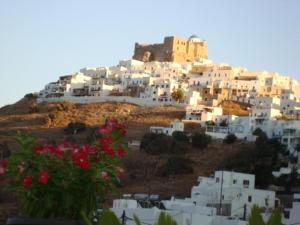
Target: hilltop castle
x=173, y=49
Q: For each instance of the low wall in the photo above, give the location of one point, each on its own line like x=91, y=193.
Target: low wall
x=95, y=99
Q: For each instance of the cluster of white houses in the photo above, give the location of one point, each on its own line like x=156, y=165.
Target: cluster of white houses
x=223, y=199
x=274, y=100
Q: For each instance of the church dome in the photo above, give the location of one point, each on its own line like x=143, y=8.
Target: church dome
x=195, y=38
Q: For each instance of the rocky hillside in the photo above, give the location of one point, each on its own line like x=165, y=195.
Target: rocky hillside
x=47, y=122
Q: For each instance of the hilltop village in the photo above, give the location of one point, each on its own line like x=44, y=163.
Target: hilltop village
x=178, y=72
x=174, y=100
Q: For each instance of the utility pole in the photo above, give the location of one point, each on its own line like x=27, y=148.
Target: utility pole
x=123, y=218
x=245, y=211
x=221, y=193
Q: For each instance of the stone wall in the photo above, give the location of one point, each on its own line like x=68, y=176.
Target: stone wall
x=96, y=99
x=173, y=49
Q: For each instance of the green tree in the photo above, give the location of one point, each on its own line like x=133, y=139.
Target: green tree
x=260, y=159
x=177, y=95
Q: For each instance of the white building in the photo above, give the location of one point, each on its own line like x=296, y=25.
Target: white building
x=202, y=113
x=174, y=126
x=292, y=216
x=234, y=192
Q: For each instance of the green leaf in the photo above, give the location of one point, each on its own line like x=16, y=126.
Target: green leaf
x=136, y=220
x=255, y=217
x=108, y=218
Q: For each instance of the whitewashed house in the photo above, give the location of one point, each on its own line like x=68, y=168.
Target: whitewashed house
x=134, y=79
x=237, y=125
x=202, y=113
x=78, y=86
x=174, y=126
x=233, y=193
x=292, y=215
x=95, y=72
x=160, y=90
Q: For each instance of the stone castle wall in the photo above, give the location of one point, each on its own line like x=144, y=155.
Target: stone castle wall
x=174, y=49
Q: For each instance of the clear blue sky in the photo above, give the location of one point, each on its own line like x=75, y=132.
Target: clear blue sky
x=40, y=40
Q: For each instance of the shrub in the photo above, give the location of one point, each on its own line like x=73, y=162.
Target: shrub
x=65, y=106
x=210, y=123
x=160, y=143
x=65, y=180
x=176, y=165
x=30, y=96
x=229, y=139
x=180, y=136
x=92, y=134
x=74, y=128
x=223, y=123
x=257, y=131
x=256, y=217
x=200, y=140
x=177, y=95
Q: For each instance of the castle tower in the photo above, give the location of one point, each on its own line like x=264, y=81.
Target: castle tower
x=173, y=49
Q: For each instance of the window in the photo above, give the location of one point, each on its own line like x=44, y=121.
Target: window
x=234, y=181
x=246, y=183
x=266, y=202
x=249, y=198
x=217, y=179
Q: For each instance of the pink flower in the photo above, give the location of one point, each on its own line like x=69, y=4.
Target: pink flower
x=121, y=152
x=80, y=157
x=82, y=162
x=3, y=165
x=104, y=175
x=43, y=177
x=103, y=130
x=105, y=144
x=38, y=150
x=27, y=181
x=2, y=171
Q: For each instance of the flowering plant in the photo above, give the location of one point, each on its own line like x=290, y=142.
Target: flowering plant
x=65, y=180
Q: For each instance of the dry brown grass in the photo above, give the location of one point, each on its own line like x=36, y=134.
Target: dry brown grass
x=138, y=120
